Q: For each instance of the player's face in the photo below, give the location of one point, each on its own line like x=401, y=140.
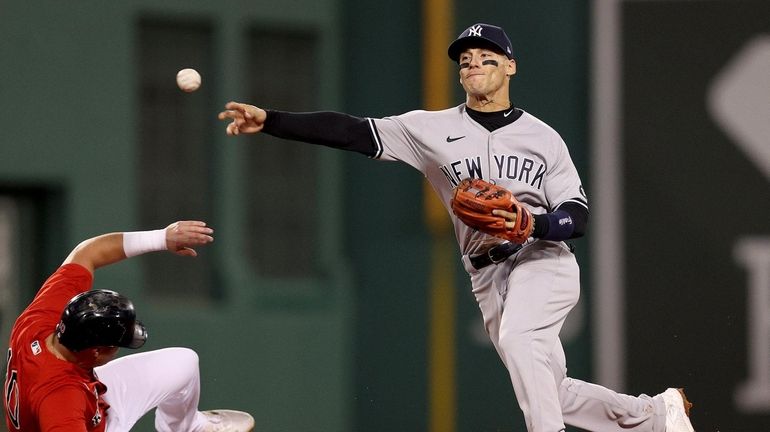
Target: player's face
x=90, y=358
x=105, y=355
x=484, y=72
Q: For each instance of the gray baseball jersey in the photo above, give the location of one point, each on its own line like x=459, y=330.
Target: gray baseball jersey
x=526, y=157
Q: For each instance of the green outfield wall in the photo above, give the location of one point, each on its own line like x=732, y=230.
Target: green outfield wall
x=313, y=315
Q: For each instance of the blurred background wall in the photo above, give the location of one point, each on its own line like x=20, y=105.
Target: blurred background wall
x=314, y=315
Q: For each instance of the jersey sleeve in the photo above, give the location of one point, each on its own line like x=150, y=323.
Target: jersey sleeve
x=64, y=410
x=395, y=139
x=563, y=184
x=68, y=281
x=49, y=302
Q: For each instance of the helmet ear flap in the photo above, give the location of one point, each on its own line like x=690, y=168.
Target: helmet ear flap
x=137, y=337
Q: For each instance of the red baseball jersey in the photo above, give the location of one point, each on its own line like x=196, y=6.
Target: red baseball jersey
x=43, y=392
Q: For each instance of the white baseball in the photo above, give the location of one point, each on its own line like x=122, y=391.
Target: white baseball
x=188, y=80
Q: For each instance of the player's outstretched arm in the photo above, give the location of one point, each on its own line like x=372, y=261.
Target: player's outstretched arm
x=328, y=128
x=245, y=118
x=180, y=238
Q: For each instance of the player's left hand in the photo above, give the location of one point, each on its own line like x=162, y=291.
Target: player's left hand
x=182, y=236
x=510, y=218
x=491, y=209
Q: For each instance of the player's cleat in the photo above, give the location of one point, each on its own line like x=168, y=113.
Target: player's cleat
x=677, y=411
x=228, y=421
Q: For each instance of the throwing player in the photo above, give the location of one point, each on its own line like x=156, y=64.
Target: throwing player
x=61, y=374
x=524, y=291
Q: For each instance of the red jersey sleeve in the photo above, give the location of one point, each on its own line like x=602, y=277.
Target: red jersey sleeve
x=68, y=281
x=49, y=302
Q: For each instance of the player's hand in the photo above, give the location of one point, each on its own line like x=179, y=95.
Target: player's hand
x=510, y=217
x=182, y=236
x=245, y=118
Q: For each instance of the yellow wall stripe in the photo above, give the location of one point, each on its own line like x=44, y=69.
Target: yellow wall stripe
x=442, y=388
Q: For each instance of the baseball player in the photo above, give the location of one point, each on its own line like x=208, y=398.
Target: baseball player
x=524, y=291
x=61, y=375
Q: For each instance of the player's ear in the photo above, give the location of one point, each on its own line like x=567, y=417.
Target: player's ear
x=510, y=68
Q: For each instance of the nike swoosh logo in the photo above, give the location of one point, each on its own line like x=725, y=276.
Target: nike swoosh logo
x=507, y=114
x=453, y=139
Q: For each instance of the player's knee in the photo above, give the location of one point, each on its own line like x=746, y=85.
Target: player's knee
x=184, y=360
x=187, y=359
x=514, y=340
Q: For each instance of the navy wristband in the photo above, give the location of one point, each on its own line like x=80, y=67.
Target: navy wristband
x=554, y=226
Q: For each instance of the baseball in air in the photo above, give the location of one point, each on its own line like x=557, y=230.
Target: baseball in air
x=188, y=80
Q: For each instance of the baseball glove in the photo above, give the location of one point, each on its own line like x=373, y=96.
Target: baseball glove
x=473, y=202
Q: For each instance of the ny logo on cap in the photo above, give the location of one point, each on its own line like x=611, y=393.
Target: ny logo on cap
x=475, y=31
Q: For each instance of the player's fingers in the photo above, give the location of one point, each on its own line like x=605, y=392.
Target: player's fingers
x=189, y=241
x=503, y=213
x=192, y=223
x=230, y=114
x=200, y=233
x=193, y=240
x=199, y=239
x=186, y=252
x=196, y=231
x=510, y=218
x=196, y=227
x=242, y=110
x=237, y=106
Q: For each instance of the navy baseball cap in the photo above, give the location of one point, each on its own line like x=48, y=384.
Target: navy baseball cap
x=481, y=36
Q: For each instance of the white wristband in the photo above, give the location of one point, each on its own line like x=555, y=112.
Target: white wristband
x=140, y=242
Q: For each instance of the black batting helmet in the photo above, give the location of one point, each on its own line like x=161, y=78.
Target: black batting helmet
x=100, y=318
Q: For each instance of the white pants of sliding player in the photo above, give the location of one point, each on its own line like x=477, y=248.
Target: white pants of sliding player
x=524, y=302
x=167, y=379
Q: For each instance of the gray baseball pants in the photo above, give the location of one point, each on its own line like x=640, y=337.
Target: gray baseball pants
x=524, y=302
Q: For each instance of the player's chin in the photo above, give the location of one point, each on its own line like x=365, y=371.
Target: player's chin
x=475, y=87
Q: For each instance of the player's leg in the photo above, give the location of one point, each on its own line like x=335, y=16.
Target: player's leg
x=167, y=379
x=542, y=288
x=488, y=284
x=592, y=407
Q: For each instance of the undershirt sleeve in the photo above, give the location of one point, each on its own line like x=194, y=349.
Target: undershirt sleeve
x=327, y=128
